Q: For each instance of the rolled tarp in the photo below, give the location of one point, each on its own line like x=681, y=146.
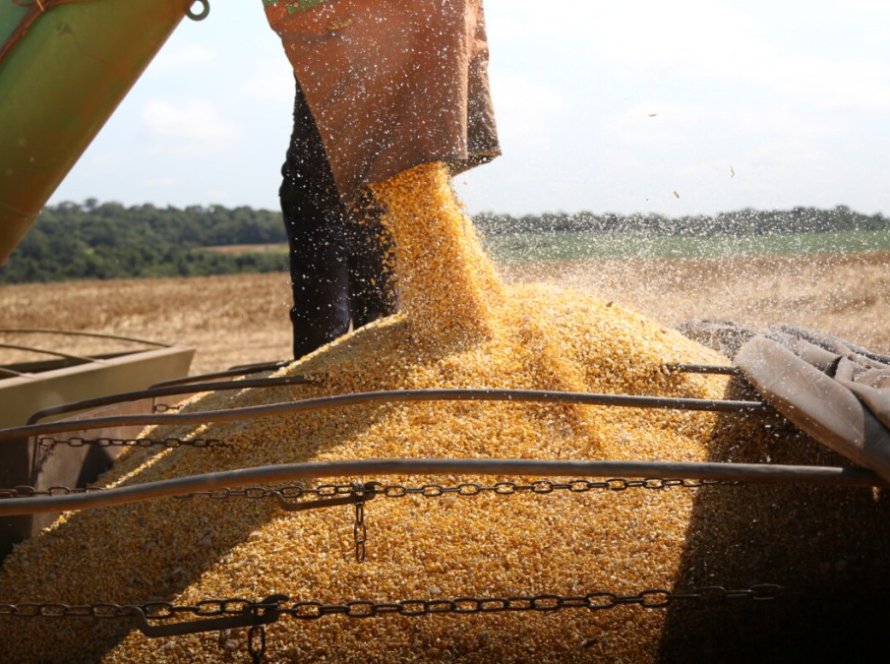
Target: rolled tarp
x=65, y=65
x=834, y=390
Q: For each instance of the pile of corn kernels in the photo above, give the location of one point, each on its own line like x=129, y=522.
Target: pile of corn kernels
x=459, y=327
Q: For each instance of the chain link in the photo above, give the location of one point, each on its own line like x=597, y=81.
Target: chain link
x=292, y=494
x=359, y=529
x=655, y=598
x=298, y=497
x=31, y=492
x=166, y=408
x=288, y=493
x=295, y=495
x=541, y=487
x=256, y=643
x=48, y=442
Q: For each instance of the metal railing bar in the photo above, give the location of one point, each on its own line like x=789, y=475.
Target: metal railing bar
x=262, y=366
x=741, y=472
x=73, y=333
x=53, y=353
x=228, y=373
x=704, y=369
x=392, y=396
x=154, y=392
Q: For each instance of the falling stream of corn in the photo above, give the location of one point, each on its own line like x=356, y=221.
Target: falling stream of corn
x=459, y=326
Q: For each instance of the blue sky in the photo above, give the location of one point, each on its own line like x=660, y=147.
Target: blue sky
x=688, y=106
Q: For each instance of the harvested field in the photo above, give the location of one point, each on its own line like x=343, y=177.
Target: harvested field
x=241, y=319
x=239, y=249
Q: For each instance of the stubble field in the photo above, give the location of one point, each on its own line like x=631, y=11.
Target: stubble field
x=241, y=319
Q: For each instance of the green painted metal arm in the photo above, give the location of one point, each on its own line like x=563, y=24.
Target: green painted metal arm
x=65, y=65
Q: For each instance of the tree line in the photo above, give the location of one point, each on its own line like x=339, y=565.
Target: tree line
x=93, y=240
x=111, y=241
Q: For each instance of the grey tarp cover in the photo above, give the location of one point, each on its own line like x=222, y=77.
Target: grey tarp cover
x=837, y=392
x=392, y=84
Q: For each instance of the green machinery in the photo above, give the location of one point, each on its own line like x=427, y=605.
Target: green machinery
x=65, y=65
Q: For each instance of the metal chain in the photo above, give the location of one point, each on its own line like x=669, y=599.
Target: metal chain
x=104, y=610
x=327, y=495
x=31, y=492
x=359, y=529
x=287, y=492
x=280, y=605
x=295, y=492
x=77, y=441
x=597, y=601
x=46, y=444
x=256, y=643
x=292, y=496
x=166, y=408
x=541, y=487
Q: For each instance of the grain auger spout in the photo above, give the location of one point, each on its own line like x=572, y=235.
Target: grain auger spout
x=65, y=65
